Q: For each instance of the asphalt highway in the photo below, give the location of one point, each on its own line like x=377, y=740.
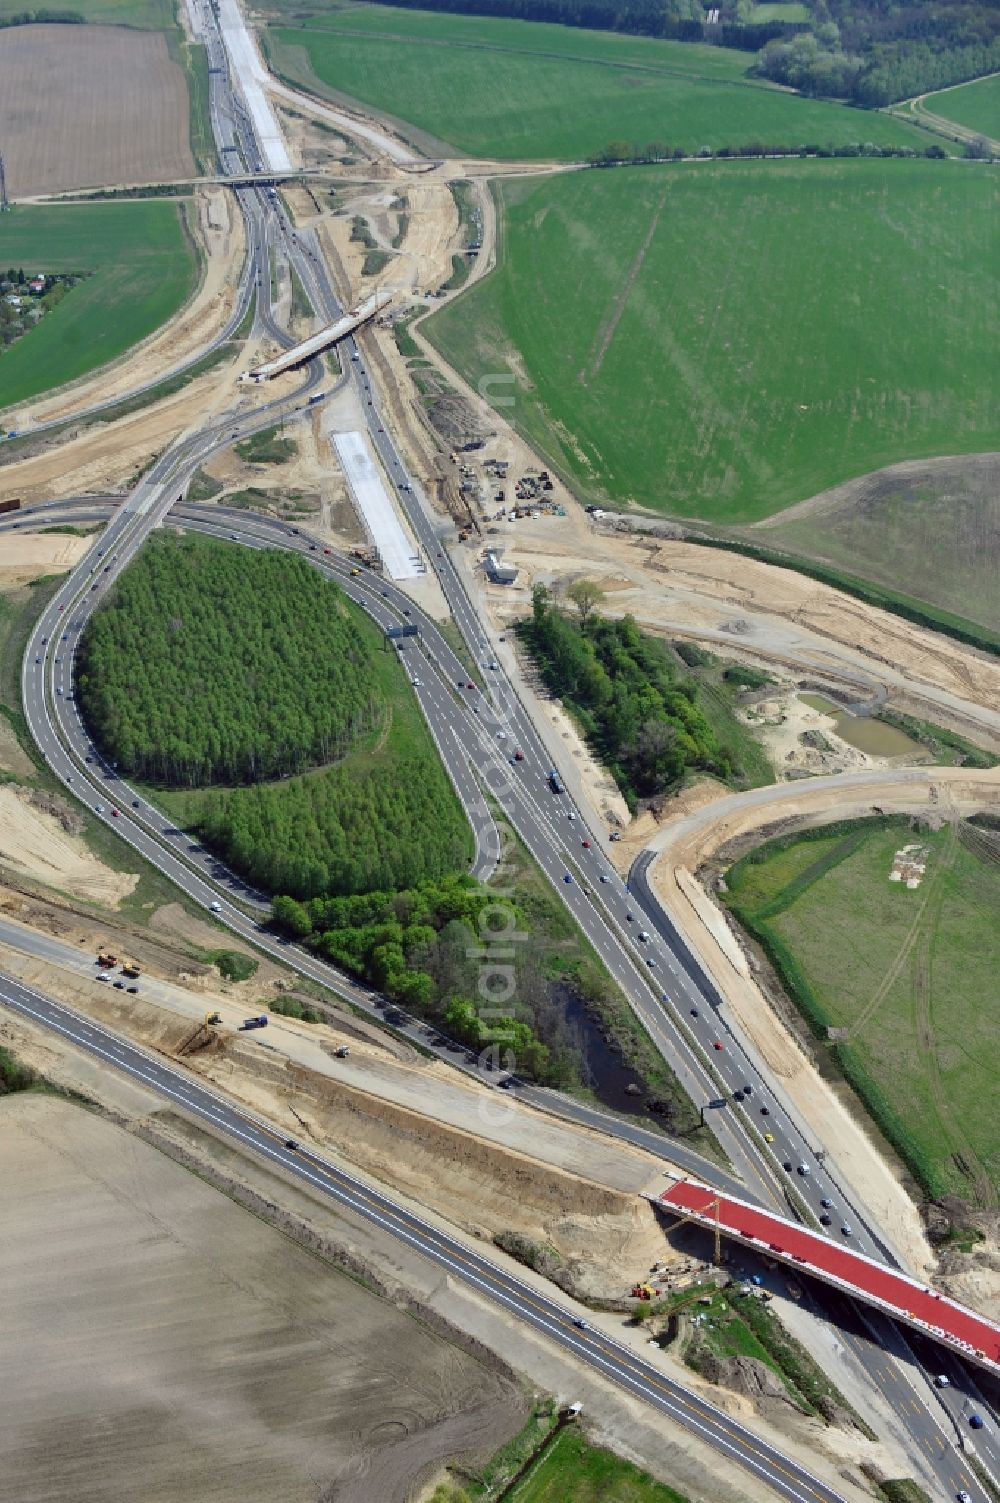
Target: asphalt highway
x=479, y=732
x=461, y=1262
x=149, y=839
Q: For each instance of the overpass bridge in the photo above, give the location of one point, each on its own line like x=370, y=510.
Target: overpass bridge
x=896, y=1294
x=322, y=340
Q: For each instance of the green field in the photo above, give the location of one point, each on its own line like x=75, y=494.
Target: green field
x=549, y=92
x=147, y=15
x=143, y=267
x=911, y=974
x=723, y=339
x=976, y=105
x=572, y=1469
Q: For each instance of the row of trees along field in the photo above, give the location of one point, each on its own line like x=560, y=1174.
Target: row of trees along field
x=368, y=823
x=640, y=716
x=675, y=20
x=641, y=154
x=851, y=49
x=422, y=948
x=213, y=664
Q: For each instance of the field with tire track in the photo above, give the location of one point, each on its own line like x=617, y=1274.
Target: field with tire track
x=908, y=978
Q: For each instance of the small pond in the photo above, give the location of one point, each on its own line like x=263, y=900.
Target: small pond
x=874, y=737
x=604, y=1070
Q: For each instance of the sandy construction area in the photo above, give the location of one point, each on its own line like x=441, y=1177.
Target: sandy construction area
x=33, y=844
x=90, y=106
x=487, y=1162
x=753, y=609
x=160, y=1342
x=109, y=457
x=36, y=553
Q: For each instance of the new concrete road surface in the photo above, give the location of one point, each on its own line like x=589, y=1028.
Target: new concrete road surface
x=550, y=1319
x=251, y=76
x=397, y=552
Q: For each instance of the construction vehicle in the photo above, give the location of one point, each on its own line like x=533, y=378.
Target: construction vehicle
x=106, y=959
x=258, y=1022
x=643, y=1291
x=131, y=968
x=342, y=1052
x=200, y=1036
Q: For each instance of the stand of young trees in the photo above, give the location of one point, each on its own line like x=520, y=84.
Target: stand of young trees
x=214, y=664
x=639, y=715
x=348, y=829
x=423, y=948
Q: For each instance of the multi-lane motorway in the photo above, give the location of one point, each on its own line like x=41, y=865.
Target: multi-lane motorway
x=479, y=731
x=787, y=1478
x=57, y=727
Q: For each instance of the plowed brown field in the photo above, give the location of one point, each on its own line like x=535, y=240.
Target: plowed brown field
x=89, y=106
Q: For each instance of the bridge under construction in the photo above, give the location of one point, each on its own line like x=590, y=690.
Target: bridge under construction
x=331, y=334
x=895, y=1293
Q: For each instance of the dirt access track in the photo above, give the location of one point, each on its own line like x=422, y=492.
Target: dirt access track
x=188, y=1350
x=756, y=610
x=90, y=106
x=685, y=844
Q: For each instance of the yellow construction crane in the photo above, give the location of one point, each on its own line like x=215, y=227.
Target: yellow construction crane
x=695, y=1216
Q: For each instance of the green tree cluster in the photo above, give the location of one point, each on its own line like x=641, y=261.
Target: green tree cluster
x=874, y=54
x=212, y=664
x=426, y=948
x=354, y=827
x=641, y=718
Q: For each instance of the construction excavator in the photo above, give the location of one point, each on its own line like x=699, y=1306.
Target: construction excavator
x=200, y=1035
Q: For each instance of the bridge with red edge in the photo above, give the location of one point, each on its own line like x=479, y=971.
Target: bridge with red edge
x=897, y=1294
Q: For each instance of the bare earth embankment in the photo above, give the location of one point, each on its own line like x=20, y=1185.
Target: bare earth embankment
x=89, y=106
